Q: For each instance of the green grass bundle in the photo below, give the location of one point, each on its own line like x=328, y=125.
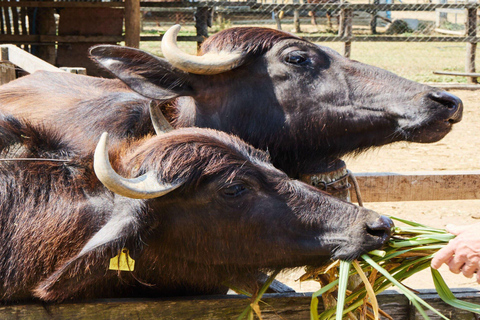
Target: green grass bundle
x=409, y=251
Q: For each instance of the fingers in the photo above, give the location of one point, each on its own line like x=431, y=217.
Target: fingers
x=443, y=256
x=455, y=264
x=469, y=269
x=456, y=230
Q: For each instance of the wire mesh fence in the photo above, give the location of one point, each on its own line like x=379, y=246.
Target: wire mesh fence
x=412, y=38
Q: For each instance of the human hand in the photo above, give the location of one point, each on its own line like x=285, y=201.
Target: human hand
x=462, y=254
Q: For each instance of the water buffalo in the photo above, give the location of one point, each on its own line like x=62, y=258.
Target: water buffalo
x=194, y=207
x=304, y=103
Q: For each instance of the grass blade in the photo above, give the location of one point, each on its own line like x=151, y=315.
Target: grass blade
x=410, y=295
x=342, y=287
x=315, y=295
x=410, y=223
x=368, y=287
x=378, y=253
x=253, y=307
x=447, y=296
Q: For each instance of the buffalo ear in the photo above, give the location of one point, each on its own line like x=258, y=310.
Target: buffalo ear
x=146, y=74
x=79, y=275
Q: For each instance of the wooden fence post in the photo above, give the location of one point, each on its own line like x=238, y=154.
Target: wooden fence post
x=132, y=23
x=7, y=72
x=296, y=21
x=7, y=69
x=373, y=22
x=345, y=29
x=278, y=15
x=471, y=31
x=341, y=23
x=203, y=20
x=348, y=21
x=46, y=25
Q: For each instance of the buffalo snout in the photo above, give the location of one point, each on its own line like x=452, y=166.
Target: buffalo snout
x=452, y=104
x=379, y=227
x=372, y=231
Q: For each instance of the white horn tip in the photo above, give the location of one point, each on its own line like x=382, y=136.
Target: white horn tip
x=102, y=142
x=172, y=32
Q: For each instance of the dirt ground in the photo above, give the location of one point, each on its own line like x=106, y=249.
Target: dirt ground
x=457, y=151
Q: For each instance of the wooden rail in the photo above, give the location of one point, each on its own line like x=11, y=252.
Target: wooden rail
x=277, y=306
x=12, y=57
x=419, y=186
x=61, y=4
x=25, y=60
x=310, y=6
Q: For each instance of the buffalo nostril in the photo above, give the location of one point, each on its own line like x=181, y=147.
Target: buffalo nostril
x=381, y=227
x=452, y=102
x=447, y=99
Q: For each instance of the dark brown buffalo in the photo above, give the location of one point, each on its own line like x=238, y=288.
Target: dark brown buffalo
x=304, y=103
x=197, y=208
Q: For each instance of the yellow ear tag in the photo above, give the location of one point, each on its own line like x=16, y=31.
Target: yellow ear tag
x=122, y=262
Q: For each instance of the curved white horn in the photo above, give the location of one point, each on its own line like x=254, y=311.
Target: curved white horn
x=209, y=63
x=160, y=124
x=143, y=187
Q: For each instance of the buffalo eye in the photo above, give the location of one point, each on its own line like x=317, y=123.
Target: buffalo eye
x=295, y=57
x=234, y=190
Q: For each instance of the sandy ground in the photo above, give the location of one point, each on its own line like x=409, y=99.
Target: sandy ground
x=457, y=151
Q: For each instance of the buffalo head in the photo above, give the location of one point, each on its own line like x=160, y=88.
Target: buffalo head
x=303, y=102
x=196, y=208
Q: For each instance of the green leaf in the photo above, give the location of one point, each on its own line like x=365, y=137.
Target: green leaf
x=248, y=311
x=411, y=243
x=378, y=253
x=315, y=295
x=410, y=223
x=342, y=287
x=447, y=296
x=410, y=295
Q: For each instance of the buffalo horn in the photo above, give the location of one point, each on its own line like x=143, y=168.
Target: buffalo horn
x=160, y=124
x=143, y=187
x=210, y=63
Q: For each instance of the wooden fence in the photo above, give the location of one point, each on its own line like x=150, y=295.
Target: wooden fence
x=295, y=306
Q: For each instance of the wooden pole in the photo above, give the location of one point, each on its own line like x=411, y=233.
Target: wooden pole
x=16, y=24
x=313, y=19
x=7, y=69
x=373, y=22
x=348, y=21
x=341, y=23
x=203, y=17
x=132, y=23
x=7, y=72
x=6, y=18
x=2, y=29
x=46, y=25
x=471, y=29
x=278, y=18
x=296, y=21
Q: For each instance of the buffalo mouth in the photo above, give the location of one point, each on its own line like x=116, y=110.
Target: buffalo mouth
x=437, y=126
x=348, y=245
x=374, y=236
x=431, y=132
